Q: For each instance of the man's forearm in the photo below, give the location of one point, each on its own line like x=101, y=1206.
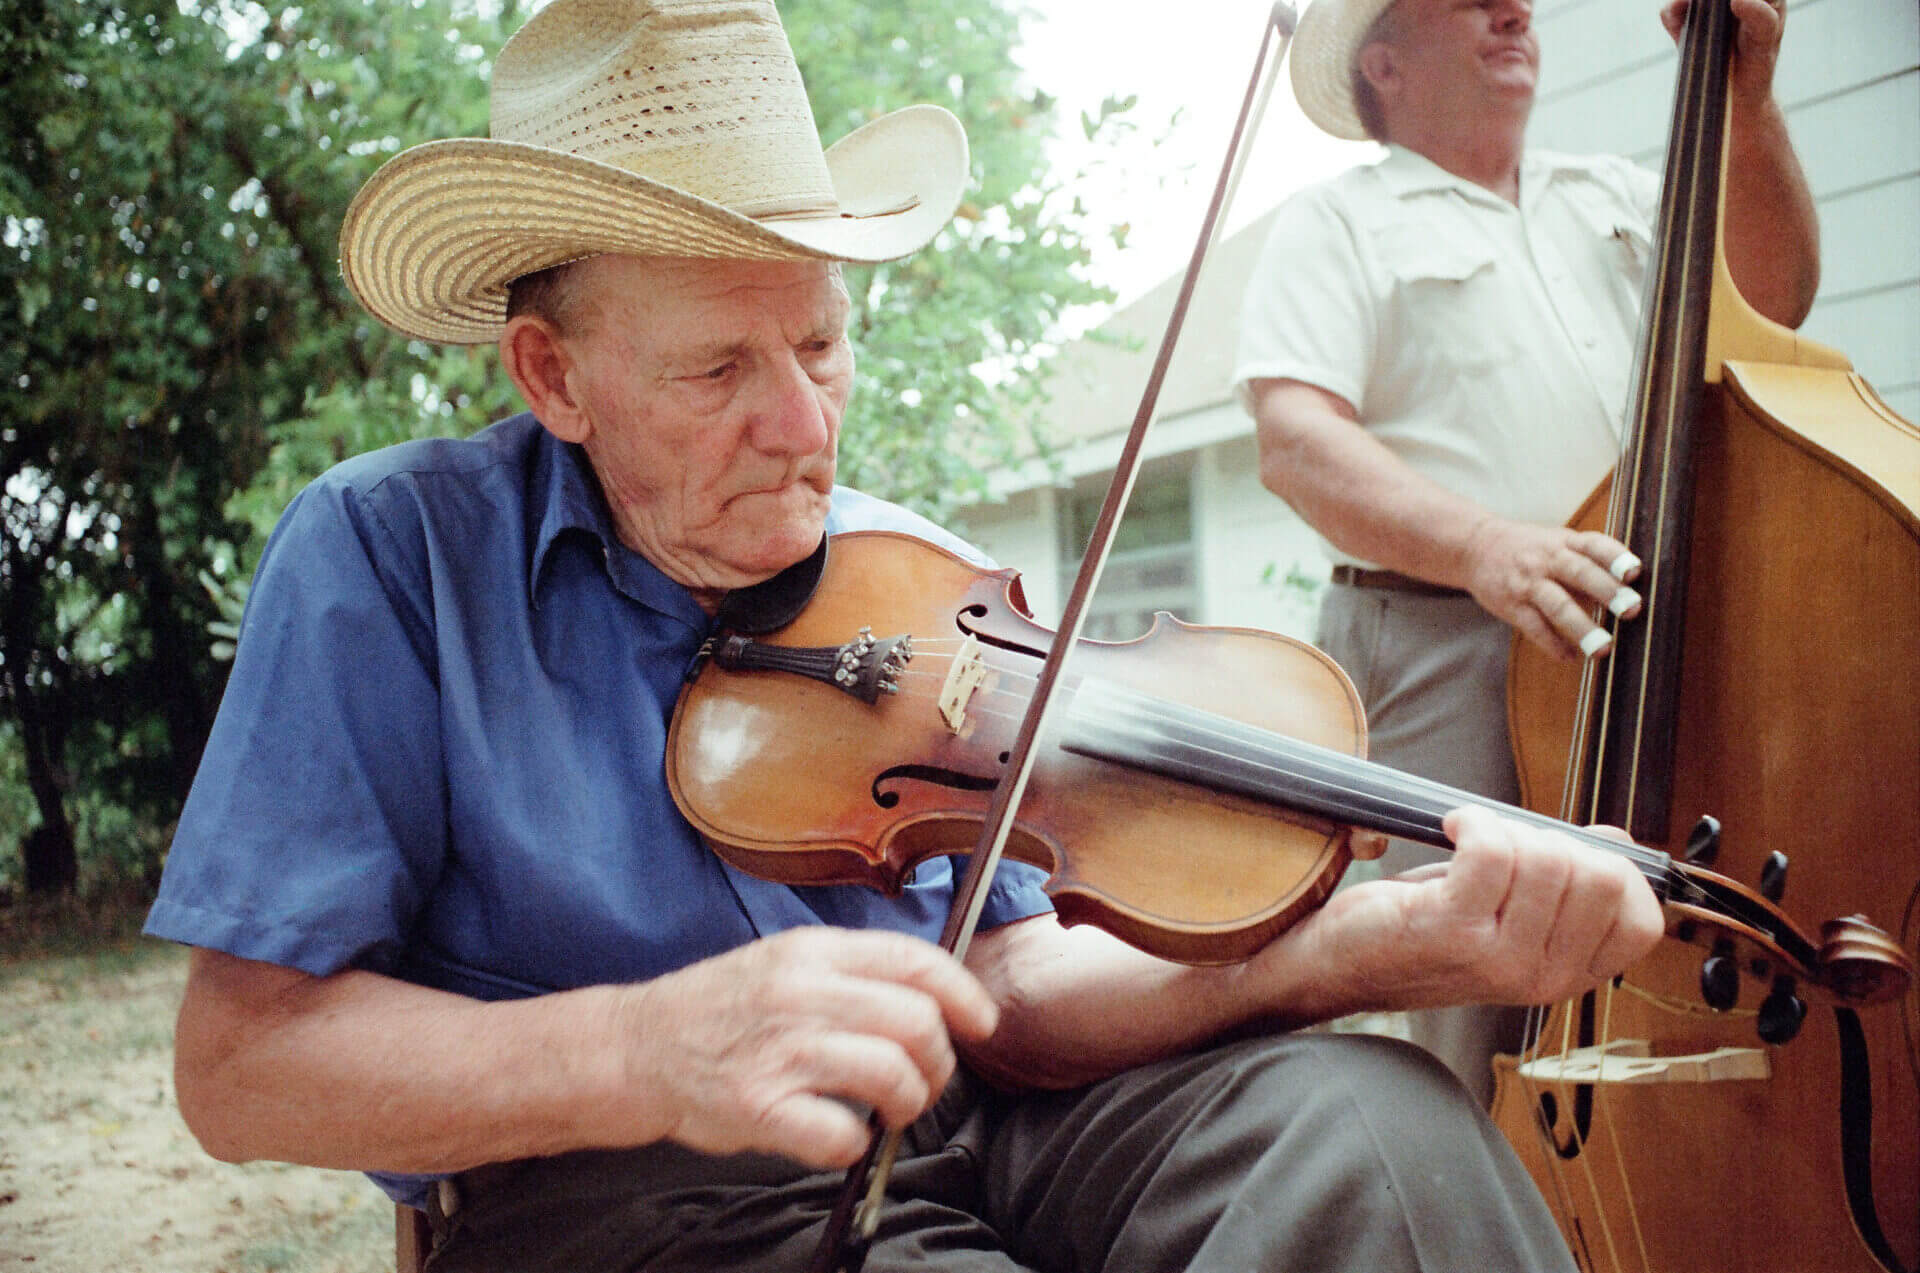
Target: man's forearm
x=362, y=1072
x=1078, y=1005
x=1772, y=231
x=1367, y=501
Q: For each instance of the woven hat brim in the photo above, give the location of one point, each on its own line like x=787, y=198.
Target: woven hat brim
x=434, y=237
x=1321, y=62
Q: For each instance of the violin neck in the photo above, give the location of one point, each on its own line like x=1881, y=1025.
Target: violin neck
x=1109, y=722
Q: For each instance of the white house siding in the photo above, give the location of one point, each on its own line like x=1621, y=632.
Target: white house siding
x=1248, y=542
x=1849, y=79
x=1021, y=533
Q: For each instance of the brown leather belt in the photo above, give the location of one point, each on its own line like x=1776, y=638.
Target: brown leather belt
x=1392, y=581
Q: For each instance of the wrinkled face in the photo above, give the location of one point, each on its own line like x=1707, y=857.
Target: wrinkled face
x=713, y=392
x=1454, y=54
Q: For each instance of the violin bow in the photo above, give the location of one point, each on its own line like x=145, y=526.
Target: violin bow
x=856, y=1214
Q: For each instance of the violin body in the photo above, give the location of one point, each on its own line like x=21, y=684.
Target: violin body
x=1799, y=730
x=794, y=780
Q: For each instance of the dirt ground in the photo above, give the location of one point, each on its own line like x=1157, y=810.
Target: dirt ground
x=97, y=1172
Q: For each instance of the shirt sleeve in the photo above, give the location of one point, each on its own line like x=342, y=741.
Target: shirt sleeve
x=1307, y=314
x=316, y=822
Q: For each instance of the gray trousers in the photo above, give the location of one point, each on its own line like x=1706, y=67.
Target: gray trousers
x=1282, y=1154
x=1432, y=673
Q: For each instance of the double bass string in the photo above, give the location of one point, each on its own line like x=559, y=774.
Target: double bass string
x=1656, y=402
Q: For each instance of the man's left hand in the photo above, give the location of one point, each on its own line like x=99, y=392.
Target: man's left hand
x=1520, y=914
x=1756, y=46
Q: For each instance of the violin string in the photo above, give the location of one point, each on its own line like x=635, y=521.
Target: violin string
x=1148, y=709
x=1353, y=777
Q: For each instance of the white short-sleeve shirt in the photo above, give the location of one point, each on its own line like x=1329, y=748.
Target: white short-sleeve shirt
x=1487, y=345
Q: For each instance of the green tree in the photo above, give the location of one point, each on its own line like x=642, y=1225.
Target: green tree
x=949, y=340
x=183, y=357
x=168, y=211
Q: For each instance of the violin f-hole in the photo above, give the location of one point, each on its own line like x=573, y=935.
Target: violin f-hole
x=887, y=799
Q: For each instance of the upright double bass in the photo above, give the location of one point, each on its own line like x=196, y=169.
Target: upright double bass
x=1763, y=714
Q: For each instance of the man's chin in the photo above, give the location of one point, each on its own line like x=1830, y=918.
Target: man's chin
x=779, y=542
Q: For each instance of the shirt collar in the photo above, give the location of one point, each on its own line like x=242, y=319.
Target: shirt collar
x=1408, y=172
x=567, y=500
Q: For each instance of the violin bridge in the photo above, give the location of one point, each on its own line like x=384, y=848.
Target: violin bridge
x=963, y=678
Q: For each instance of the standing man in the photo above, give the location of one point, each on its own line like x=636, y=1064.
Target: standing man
x=452, y=929
x=1436, y=349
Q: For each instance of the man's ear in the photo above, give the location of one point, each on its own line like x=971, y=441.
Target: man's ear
x=1377, y=65
x=545, y=371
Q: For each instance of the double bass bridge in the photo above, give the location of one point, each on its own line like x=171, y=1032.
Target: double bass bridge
x=1631, y=1061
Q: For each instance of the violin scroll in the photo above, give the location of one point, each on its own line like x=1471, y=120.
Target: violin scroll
x=1853, y=964
x=1864, y=964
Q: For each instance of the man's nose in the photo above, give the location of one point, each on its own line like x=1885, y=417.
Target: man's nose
x=791, y=417
x=1514, y=15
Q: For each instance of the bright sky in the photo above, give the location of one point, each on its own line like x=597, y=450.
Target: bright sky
x=1193, y=59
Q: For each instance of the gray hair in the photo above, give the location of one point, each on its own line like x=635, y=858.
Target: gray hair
x=1366, y=104
x=549, y=294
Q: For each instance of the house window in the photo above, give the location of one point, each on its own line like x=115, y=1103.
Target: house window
x=1151, y=567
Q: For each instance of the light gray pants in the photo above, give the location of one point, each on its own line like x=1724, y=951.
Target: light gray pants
x=1432, y=673
x=1280, y=1154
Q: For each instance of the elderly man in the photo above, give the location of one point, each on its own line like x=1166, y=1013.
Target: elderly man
x=453, y=931
x=1436, y=349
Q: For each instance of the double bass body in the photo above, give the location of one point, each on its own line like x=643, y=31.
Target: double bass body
x=1772, y=683
x=1799, y=730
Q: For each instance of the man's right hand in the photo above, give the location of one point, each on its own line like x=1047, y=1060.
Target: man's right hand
x=1369, y=503
x=1545, y=581
x=766, y=1047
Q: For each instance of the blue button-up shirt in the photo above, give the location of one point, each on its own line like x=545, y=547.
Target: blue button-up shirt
x=441, y=751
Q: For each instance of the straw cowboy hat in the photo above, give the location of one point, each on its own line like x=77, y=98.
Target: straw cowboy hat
x=667, y=127
x=1325, y=45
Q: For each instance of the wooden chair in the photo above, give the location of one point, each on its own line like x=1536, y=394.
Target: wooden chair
x=412, y=1238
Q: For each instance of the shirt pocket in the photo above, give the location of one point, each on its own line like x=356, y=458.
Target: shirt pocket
x=1622, y=244
x=1449, y=298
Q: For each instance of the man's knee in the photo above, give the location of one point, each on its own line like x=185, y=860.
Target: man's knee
x=1339, y=1064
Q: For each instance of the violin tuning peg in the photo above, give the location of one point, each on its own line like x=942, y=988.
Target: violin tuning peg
x=1720, y=979
x=1703, y=842
x=1773, y=876
x=1781, y=1013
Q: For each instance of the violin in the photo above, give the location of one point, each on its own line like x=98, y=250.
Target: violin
x=1197, y=796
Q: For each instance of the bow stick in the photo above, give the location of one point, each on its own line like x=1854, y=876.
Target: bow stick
x=856, y=1214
